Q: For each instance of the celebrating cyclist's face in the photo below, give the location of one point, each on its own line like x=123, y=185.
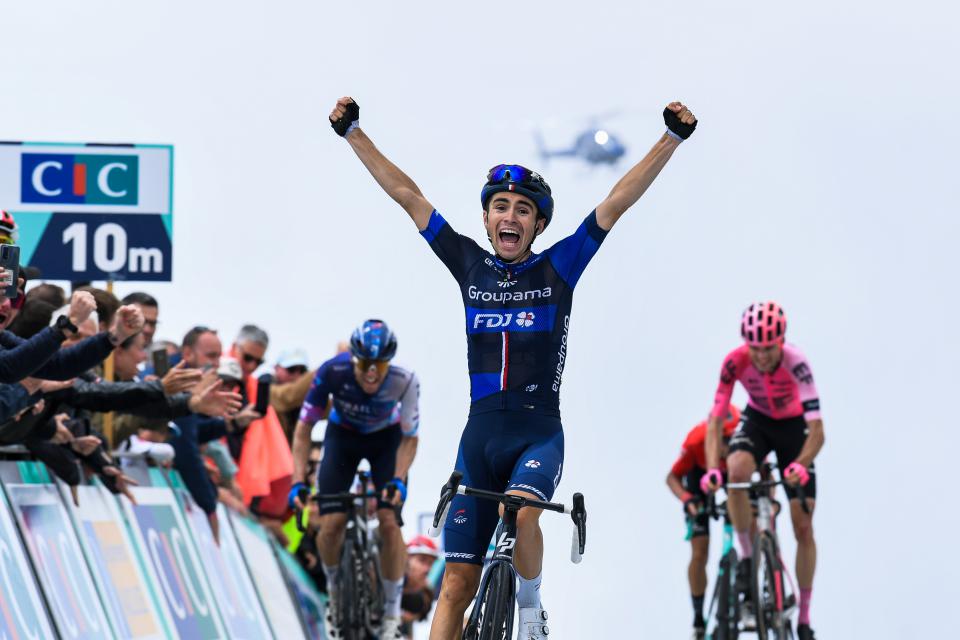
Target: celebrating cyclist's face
x=766, y=359
x=370, y=374
x=512, y=223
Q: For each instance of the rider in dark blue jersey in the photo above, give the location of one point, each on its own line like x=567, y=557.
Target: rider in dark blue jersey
x=517, y=319
x=373, y=415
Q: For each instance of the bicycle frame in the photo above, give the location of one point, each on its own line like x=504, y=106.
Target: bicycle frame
x=506, y=542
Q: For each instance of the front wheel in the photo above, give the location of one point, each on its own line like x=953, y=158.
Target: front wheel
x=493, y=614
x=727, y=599
x=768, y=592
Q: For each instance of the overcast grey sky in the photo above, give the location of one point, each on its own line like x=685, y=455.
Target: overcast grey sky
x=822, y=175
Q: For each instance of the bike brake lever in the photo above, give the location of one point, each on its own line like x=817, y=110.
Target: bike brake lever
x=802, y=496
x=579, y=516
x=447, y=492
x=397, y=508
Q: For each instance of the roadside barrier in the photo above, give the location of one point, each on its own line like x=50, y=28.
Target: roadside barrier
x=108, y=568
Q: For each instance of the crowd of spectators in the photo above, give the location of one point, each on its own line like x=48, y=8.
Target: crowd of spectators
x=87, y=388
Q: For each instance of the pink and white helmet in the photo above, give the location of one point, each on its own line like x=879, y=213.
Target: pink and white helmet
x=763, y=324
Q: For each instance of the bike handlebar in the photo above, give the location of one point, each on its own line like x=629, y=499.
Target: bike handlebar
x=577, y=511
x=766, y=484
x=346, y=499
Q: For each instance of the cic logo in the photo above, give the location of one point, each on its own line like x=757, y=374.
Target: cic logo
x=78, y=179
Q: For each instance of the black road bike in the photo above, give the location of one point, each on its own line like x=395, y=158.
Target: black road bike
x=771, y=586
x=493, y=608
x=358, y=608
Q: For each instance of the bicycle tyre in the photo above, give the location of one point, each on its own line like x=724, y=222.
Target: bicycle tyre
x=373, y=598
x=768, y=589
x=495, y=605
x=727, y=599
x=350, y=614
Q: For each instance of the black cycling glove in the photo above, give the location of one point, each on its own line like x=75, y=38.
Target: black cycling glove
x=352, y=116
x=674, y=124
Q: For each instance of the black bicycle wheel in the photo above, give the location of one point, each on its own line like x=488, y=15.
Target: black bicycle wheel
x=349, y=614
x=727, y=600
x=768, y=589
x=373, y=596
x=496, y=604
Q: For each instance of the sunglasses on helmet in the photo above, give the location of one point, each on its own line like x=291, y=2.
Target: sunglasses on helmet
x=515, y=173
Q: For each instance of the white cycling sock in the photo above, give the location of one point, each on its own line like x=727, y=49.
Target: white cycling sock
x=392, y=592
x=331, y=573
x=528, y=595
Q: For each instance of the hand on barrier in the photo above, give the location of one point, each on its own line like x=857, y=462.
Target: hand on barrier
x=711, y=481
x=680, y=120
x=796, y=473
x=345, y=117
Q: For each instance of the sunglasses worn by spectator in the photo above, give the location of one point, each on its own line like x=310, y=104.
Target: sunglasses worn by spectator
x=252, y=359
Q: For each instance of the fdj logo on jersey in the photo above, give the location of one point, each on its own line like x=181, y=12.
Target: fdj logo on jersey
x=78, y=179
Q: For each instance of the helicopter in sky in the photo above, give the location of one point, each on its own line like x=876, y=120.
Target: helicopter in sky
x=595, y=146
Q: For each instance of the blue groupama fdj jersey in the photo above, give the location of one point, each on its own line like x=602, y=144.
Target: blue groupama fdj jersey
x=518, y=315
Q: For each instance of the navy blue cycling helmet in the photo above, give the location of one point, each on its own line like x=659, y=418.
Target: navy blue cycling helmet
x=518, y=179
x=373, y=340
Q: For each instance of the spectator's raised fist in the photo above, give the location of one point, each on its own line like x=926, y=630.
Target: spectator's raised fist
x=82, y=305
x=128, y=322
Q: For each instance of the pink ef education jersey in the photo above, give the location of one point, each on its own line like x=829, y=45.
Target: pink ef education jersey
x=787, y=392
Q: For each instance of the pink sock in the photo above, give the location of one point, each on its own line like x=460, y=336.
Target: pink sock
x=746, y=543
x=805, y=595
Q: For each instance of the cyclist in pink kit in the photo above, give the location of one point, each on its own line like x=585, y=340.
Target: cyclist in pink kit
x=782, y=415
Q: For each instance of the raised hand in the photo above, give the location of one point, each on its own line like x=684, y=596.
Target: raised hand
x=127, y=322
x=82, y=304
x=345, y=116
x=180, y=378
x=211, y=401
x=679, y=119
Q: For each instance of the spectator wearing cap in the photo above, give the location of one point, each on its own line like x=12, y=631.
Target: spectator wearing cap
x=219, y=451
x=418, y=587
x=290, y=388
x=151, y=312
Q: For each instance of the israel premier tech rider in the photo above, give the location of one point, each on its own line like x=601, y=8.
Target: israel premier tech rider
x=517, y=317
x=375, y=416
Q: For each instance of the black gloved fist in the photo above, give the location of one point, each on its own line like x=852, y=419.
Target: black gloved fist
x=673, y=123
x=352, y=115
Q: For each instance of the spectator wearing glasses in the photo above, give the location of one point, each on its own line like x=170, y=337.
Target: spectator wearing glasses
x=249, y=348
x=151, y=311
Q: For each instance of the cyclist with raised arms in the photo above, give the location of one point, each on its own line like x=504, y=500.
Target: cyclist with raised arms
x=782, y=415
x=517, y=317
x=684, y=481
x=374, y=416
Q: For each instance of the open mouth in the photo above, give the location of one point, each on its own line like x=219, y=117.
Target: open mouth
x=509, y=238
x=3, y=319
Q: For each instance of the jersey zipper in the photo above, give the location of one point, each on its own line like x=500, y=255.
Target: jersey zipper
x=506, y=361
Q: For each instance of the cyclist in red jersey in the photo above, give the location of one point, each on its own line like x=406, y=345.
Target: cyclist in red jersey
x=684, y=482
x=783, y=415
